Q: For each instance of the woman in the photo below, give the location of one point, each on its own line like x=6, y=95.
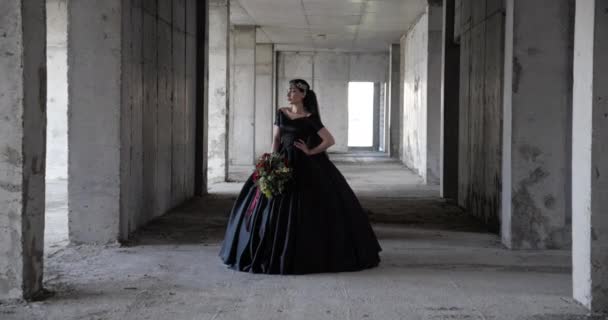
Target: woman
x=317, y=225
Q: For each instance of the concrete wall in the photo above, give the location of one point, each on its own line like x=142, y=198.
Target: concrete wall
x=132, y=122
x=241, y=129
x=421, y=70
x=395, y=107
x=217, y=90
x=94, y=88
x=22, y=147
x=536, y=208
x=329, y=74
x=450, y=95
x=159, y=81
x=264, y=109
x=57, y=88
x=480, y=32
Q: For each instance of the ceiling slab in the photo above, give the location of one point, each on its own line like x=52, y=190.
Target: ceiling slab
x=344, y=25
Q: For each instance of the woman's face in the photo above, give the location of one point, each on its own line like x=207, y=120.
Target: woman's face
x=294, y=95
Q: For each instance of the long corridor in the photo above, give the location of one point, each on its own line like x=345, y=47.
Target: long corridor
x=436, y=264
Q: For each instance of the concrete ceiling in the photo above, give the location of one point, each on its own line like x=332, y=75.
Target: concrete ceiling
x=341, y=25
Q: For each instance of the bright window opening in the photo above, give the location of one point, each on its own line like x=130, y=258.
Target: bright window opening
x=360, y=114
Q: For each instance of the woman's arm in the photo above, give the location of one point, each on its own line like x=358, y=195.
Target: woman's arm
x=328, y=141
x=276, y=138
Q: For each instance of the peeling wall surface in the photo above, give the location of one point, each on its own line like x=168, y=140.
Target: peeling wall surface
x=132, y=99
x=481, y=36
x=590, y=156
x=329, y=74
x=22, y=147
x=421, y=69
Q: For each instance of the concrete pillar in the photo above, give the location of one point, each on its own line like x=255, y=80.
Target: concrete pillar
x=590, y=156
x=421, y=69
x=94, y=77
x=22, y=147
x=435, y=47
x=217, y=97
x=264, y=109
x=535, y=207
x=450, y=95
x=241, y=130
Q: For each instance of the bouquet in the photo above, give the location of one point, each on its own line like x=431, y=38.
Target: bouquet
x=272, y=174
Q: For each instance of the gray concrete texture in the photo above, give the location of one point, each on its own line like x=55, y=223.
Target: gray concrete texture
x=264, y=109
x=132, y=127
x=94, y=69
x=22, y=147
x=218, y=90
x=395, y=101
x=450, y=96
x=446, y=270
x=480, y=34
x=421, y=70
x=329, y=74
x=241, y=123
x=536, y=205
x=590, y=133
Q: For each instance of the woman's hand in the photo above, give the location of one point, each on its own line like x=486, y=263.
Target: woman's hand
x=300, y=144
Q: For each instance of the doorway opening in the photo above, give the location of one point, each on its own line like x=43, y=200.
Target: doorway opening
x=361, y=115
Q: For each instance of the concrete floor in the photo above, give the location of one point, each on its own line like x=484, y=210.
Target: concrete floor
x=437, y=264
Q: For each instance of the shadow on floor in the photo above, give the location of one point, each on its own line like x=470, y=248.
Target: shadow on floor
x=203, y=220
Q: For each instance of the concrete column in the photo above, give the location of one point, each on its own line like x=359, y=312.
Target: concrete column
x=434, y=81
x=22, y=147
x=450, y=95
x=264, y=110
x=94, y=77
x=217, y=97
x=241, y=130
x=422, y=94
x=535, y=209
x=590, y=156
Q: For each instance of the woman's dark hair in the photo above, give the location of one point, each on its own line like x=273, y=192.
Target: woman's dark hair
x=310, y=98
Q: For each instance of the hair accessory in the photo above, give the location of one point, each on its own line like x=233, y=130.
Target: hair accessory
x=302, y=86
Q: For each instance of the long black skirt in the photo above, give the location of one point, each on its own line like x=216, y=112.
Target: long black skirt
x=317, y=225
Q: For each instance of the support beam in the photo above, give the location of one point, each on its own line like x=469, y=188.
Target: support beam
x=535, y=209
x=264, y=109
x=590, y=156
x=217, y=97
x=22, y=147
x=450, y=95
x=241, y=133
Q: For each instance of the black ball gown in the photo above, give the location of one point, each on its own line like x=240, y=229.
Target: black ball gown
x=317, y=225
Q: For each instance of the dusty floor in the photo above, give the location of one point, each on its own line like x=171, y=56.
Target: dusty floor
x=437, y=264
